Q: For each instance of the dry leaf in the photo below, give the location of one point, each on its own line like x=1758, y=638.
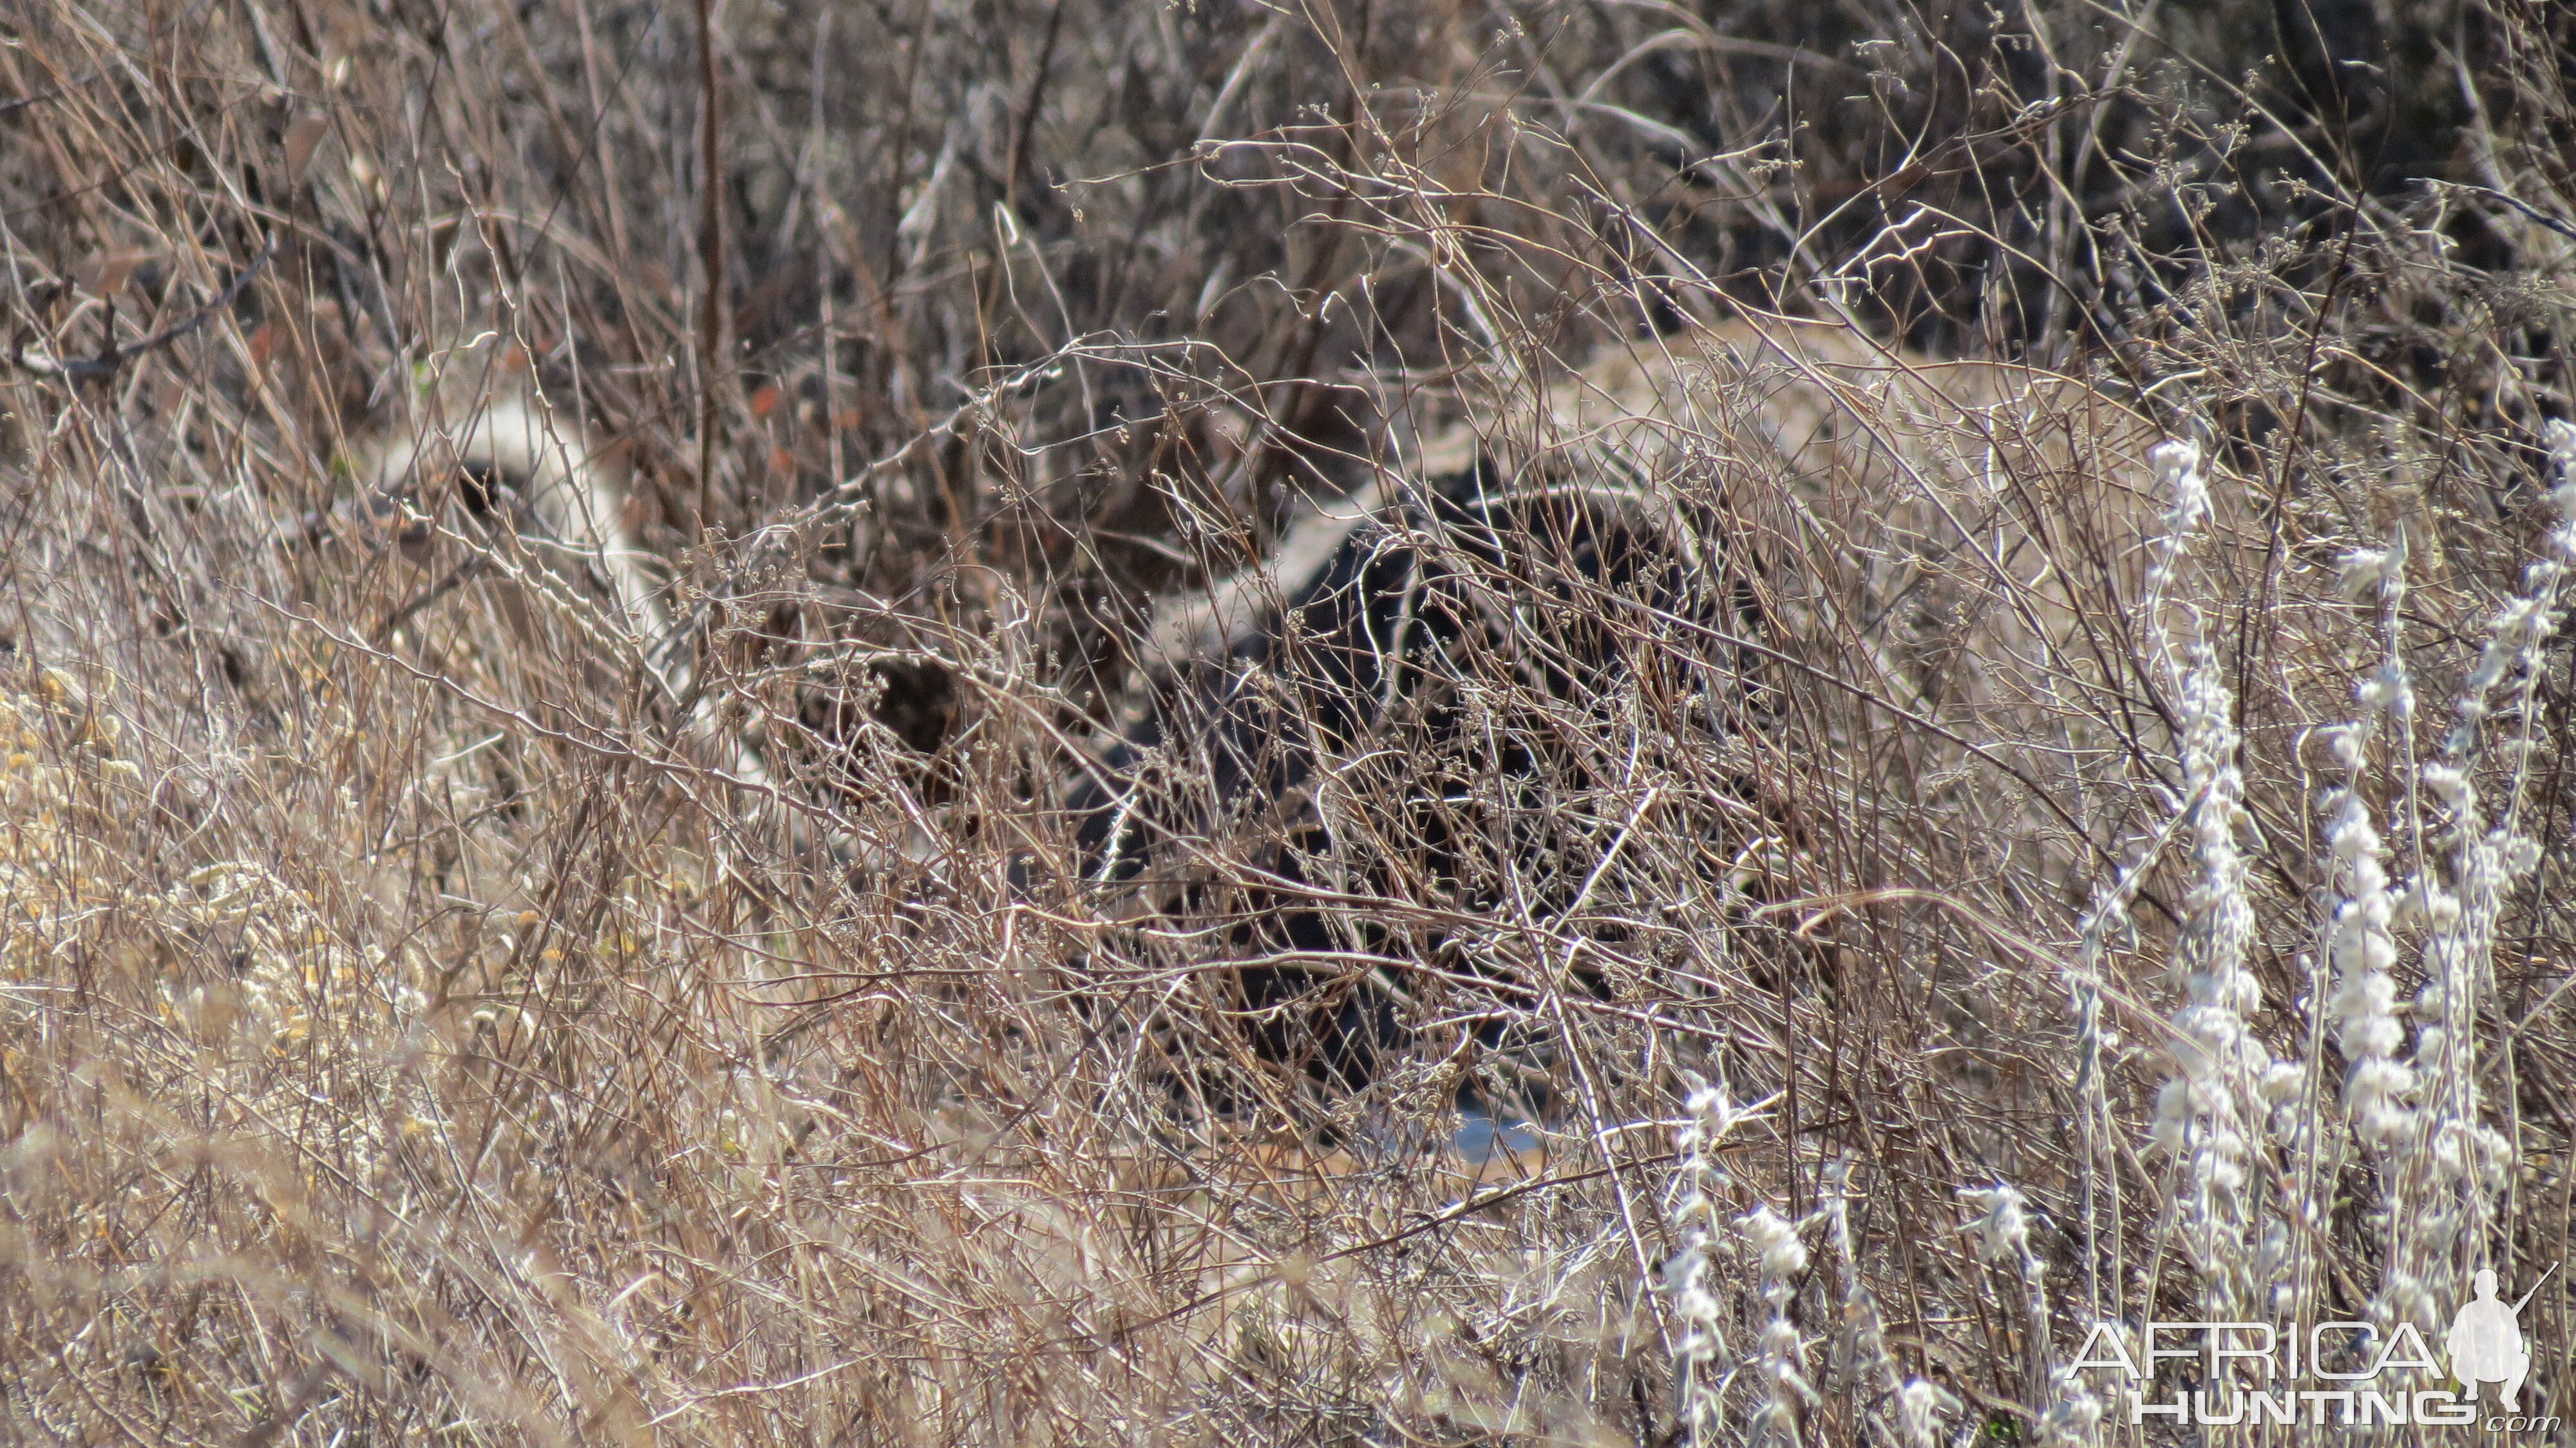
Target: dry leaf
x=301, y=137
x=106, y=274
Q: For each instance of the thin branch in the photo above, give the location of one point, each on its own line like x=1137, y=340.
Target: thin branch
x=106, y=364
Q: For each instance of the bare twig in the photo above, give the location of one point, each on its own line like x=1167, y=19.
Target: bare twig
x=108, y=362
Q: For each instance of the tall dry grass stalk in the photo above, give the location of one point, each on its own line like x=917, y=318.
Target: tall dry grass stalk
x=2025, y=644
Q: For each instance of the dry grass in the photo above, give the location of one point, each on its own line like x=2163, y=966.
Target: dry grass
x=443, y=1002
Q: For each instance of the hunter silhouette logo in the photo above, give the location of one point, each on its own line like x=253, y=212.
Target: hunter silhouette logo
x=2486, y=1341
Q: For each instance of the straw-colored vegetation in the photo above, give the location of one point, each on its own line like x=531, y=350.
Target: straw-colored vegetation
x=1355, y=723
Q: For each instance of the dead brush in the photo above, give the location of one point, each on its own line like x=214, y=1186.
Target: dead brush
x=413, y=1029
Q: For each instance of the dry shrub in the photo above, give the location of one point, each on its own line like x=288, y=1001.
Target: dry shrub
x=448, y=999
